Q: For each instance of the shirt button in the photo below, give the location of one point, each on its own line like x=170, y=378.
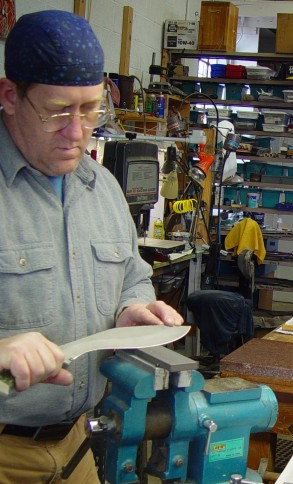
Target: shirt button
x=117, y=254
x=22, y=262
x=81, y=385
x=78, y=299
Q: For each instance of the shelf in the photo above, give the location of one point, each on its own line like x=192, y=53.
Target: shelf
x=259, y=184
x=277, y=261
x=226, y=80
x=205, y=54
x=270, y=134
x=138, y=117
x=257, y=210
x=263, y=159
x=274, y=235
x=243, y=103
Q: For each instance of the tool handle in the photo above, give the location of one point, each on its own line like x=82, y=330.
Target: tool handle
x=6, y=381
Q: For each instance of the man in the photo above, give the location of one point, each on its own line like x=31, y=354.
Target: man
x=69, y=262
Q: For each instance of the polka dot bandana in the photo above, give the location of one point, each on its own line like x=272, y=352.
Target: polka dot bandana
x=54, y=47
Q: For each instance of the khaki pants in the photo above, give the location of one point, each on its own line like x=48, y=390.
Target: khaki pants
x=24, y=461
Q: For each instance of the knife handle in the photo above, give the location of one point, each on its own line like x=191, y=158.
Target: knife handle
x=6, y=381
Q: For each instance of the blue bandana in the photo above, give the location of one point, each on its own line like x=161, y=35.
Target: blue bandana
x=54, y=47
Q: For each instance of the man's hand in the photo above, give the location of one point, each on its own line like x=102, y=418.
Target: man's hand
x=156, y=312
x=31, y=358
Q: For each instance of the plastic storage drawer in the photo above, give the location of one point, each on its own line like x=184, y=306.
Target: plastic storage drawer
x=275, y=117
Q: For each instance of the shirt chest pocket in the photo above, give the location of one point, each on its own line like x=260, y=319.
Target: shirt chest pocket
x=110, y=260
x=27, y=289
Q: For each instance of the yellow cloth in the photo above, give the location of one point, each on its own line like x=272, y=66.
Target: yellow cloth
x=246, y=235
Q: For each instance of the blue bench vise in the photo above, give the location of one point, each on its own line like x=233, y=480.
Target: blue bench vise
x=198, y=430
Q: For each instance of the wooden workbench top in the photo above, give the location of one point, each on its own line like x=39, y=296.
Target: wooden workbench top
x=262, y=360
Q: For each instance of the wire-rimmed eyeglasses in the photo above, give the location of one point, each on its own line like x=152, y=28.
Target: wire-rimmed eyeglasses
x=94, y=118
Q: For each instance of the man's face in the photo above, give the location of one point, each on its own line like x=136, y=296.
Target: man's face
x=59, y=152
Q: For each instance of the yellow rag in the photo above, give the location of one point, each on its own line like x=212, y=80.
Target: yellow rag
x=246, y=235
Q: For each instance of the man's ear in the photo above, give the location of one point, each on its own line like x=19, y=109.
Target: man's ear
x=8, y=95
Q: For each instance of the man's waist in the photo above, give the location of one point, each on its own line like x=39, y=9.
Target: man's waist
x=46, y=432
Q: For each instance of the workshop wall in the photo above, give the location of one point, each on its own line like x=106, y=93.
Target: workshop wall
x=106, y=18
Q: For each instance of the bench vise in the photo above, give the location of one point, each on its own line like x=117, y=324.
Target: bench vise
x=199, y=430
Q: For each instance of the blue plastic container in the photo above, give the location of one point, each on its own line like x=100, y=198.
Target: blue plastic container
x=218, y=70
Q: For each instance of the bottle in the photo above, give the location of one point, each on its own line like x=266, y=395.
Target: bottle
x=160, y=105
x=159, y=232
x=140, y=103
x=279, y=224
x=151, y=104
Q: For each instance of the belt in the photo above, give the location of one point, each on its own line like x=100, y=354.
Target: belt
x=47, y=432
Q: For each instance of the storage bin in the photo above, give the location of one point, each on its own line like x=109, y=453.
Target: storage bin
x=245, y=124
x=270, y=198
x=235, y=92
x=215, y=91
x=274, y=128
x=218, y=70
x=288, y=95
x=223, y=113
x=275, y=117
x=213, y=120
x=247, y=114
x=259, y=72
x=235, y=72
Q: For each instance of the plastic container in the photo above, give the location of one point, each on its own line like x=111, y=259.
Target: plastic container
x=274, y=128
x=223, y=113
x=252, y=200
x=259, y=72
x=245, y=124
x=236, y=72
x=288, y=95
x=218, y=70
x=275, y=117
x=248, y=114
x=279, y=224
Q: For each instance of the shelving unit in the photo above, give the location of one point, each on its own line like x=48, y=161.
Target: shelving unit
x=268, y=58
x=145, y=123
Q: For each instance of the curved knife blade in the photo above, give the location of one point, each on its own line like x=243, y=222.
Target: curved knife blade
x=125, y=338
x=130, y=337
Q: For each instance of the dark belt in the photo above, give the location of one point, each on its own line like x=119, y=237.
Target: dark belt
x=47, y=432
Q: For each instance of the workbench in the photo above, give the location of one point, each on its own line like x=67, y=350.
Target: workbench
x=269, y=361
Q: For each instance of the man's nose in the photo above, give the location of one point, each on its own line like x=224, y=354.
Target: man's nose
x=75, y=129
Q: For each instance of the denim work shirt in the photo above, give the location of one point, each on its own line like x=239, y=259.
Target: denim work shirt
x=65, y=271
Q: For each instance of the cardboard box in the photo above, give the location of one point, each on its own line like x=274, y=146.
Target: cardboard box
x=284, y=35
x=218, y=26
x=180, y=34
